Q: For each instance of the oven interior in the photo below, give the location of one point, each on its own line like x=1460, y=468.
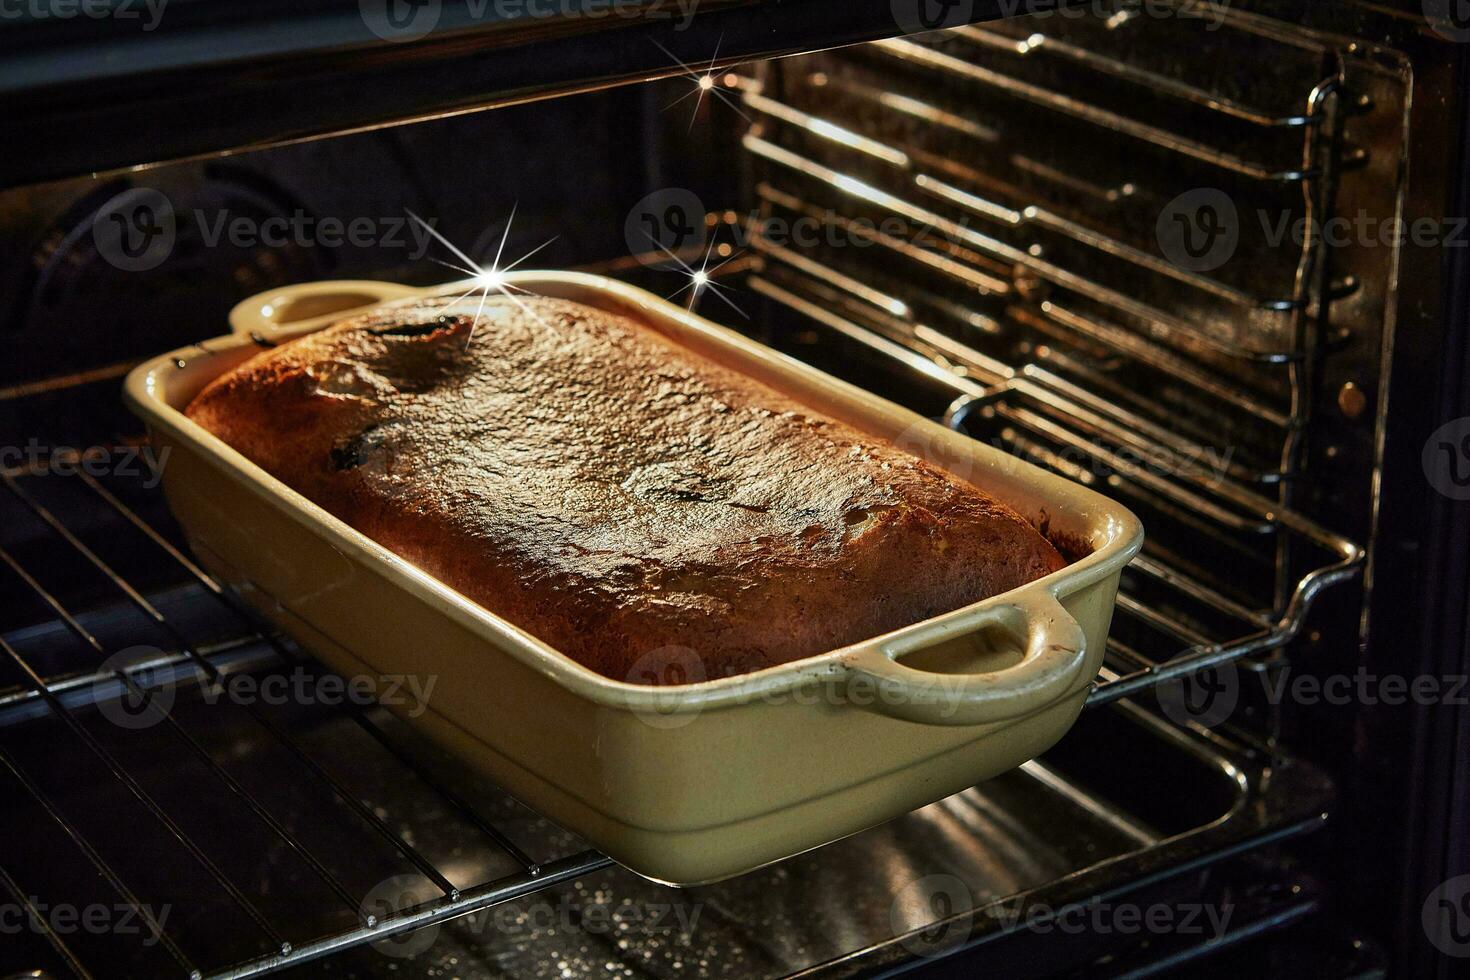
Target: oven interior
x=988, y=224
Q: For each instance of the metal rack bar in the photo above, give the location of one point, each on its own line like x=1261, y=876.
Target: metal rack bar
x=178, y=730
x=1003, y=252
x=969, y=394
x=37, y=684
x=1016, y=384
x=472, y=900
x=108, y=873
x=934, y=116
x=423, y=864
x=1097, y=415
x=1140, y=349
x=1196, y=588
x=1117, y=650
x=247, y=619
x=1264, y=630
x=1040, y=42
x=1163, y=623
x=52, y=939
x=919, y=54
x=940, y=262
x=1013, y=218
x=532, y=876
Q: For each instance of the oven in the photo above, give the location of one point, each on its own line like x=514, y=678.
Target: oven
x=1202, y=257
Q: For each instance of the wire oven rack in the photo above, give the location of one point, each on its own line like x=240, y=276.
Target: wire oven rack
x=64, y=695
x=1023, y=276
x=70, y=664
x=1168, y=622
x=1037, y=156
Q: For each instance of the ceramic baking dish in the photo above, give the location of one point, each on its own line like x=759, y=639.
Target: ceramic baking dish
x=688, y=783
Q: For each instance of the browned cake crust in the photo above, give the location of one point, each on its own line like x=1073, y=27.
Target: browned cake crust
x=613, y=493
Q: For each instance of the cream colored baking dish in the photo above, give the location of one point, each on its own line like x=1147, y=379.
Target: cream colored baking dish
x=682, y=784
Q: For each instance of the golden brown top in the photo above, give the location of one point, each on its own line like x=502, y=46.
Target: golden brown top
x=612, y=492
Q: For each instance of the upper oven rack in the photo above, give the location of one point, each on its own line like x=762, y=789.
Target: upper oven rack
x=991, y=203
x=1036, y=155
x=226, y=75
x=1182, y=625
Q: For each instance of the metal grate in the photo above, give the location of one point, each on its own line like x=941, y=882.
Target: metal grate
x=1004, y=183
x=1038, y=154
x=1168, y=623
x=1235, y=811
x=63, y=695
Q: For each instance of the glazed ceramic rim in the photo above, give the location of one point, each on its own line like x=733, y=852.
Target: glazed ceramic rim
x=1116, y=534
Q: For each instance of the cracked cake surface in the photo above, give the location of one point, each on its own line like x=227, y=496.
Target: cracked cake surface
x=625, y=500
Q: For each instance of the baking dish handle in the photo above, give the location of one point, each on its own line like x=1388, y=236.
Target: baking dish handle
x=309, y=304
x=1055, y=656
